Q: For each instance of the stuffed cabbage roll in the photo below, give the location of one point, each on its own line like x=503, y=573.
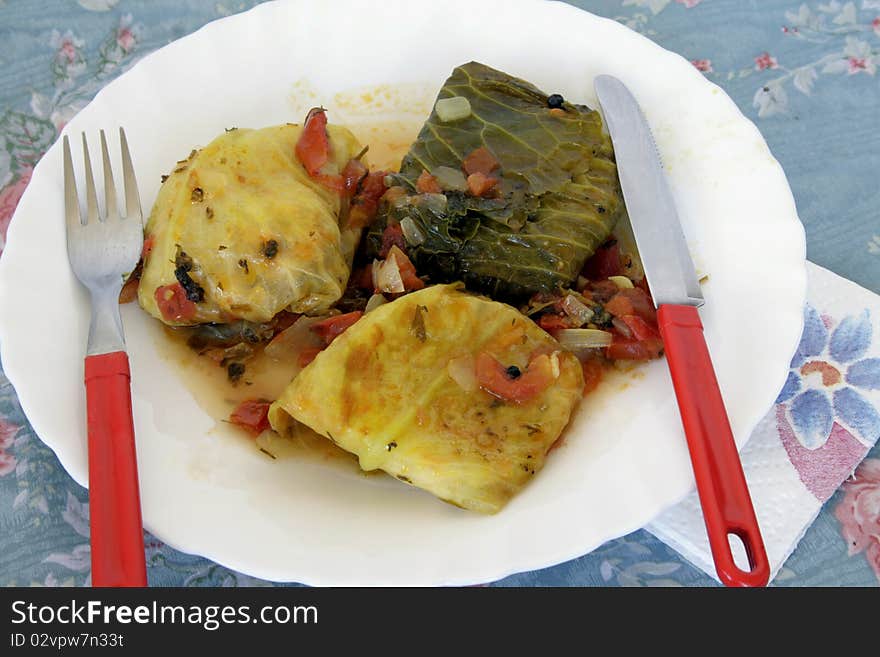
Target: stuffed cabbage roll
x=506, y=188
x=240, y=230
x=447, y=391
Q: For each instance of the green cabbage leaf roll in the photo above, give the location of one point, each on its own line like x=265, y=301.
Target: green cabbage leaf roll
x=554, y=195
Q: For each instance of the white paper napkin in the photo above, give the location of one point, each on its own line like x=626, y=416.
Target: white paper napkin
x=823, y=424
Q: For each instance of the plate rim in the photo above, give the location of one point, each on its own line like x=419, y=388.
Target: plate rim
x=510, y=567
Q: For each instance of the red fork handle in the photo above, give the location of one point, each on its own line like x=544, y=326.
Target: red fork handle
x=724, y=496
x=117, y=535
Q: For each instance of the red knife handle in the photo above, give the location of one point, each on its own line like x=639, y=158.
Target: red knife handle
x=724, y=495
x=117, y=535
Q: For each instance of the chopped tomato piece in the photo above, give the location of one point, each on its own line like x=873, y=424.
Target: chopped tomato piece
x=620, y=306
x=373, y=186
x=333, y=182
x=407, y=270
x=313, y=145
x=603, y=263
x=352, y=174
x=173, y=304
x=480, y=160
x=252, y=415
x=631, y=349
x=149, y=243
x=593, y=371
x=639, y=304
x=427, y=184
x=641, y=330
x=602, y=291
x=550, y=322
x=329, y=329
x=366, y=202
x=392, y=236
x=496, y=379
x=307, y=355
x=479, y=184
x=129, y=291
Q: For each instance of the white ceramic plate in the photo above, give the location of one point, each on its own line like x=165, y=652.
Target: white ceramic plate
x=625, y=459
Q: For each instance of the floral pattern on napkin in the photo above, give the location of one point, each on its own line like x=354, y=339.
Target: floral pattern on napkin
x=824, y=420
x=828, y=376
x=859, y=513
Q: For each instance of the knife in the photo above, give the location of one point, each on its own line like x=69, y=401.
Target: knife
x=721, y=485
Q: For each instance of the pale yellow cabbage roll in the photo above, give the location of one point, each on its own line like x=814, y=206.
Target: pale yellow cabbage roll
x=402, y=389
x=246, y=232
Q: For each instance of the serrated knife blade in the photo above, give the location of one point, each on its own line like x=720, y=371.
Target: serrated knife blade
x=656, y=226
x=721, y=485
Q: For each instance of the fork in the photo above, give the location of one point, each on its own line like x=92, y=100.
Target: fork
x=101, y=250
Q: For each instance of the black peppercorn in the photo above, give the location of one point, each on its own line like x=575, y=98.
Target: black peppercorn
x=234, y=371
x=270, y=249
x=555, y=101
x=513, y=372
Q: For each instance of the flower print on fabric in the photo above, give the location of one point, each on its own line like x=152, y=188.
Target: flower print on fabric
x=857, y=57
x=841, y=38
x=7, y=440
x=120, y=43
x=9, y=197
x=69, y=60
x=859, y=513
x=765, y=61
x=656, y=6
x=79, y=559
x=829, y=377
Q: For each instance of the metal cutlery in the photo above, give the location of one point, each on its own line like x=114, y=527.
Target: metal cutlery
x=102, y=249
x=721, y=485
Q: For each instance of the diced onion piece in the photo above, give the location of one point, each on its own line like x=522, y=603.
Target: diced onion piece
x=374, y=271
x=374, y=302
x=453, y=109
x=554, y=364
x=400, y=200
x=702, y=276
x=621, y=281
x=577, y=309
x=287, y=345
x=462, y=371
x=387, y=275
x=576, y=339
x=621, y=326
x=436, y=203
x=411, y=233
x=450, y=179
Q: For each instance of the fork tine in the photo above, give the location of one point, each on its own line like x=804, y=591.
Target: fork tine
x=132, y=198
x=91, y=195
x=71, y=201
x=109, y=184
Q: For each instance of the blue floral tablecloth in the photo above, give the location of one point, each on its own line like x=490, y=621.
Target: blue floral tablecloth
x=806, y=73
